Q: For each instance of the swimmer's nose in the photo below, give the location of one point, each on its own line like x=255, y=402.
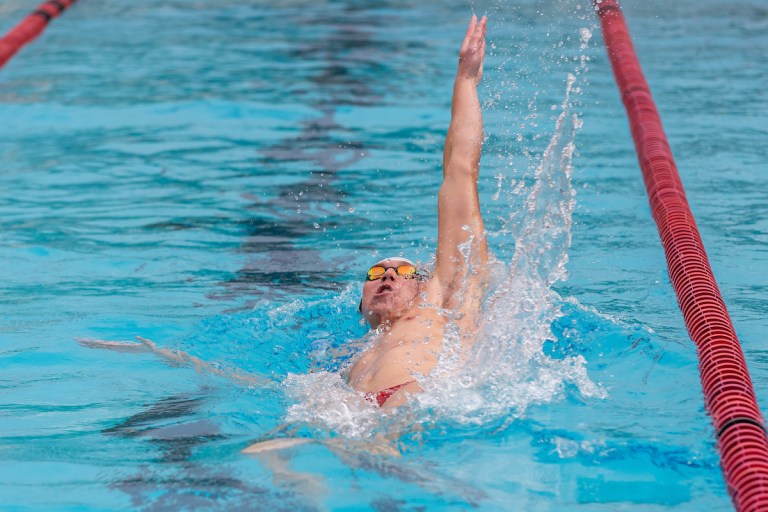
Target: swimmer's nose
x=391, y=273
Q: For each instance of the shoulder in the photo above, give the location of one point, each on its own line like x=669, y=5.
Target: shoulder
x=432, y=292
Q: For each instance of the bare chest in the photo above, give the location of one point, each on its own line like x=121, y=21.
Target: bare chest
x=409, y=346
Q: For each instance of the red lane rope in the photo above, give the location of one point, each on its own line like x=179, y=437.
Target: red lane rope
x=30, y=27
x=728, y=392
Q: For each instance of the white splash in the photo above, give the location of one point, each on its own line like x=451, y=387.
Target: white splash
x=508, y=370
x=325, y=399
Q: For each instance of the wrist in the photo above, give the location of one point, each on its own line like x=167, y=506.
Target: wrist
x=465, y=79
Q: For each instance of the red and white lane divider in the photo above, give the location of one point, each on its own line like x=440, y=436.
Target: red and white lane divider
x=728, y=392
x=30, y=27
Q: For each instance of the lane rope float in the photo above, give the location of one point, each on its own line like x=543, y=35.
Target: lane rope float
x=30, y=27
x=728, y=392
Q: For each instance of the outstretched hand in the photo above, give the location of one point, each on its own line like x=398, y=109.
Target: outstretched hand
x=173, y=357
x=117, y=346
x=472, y=51
x=176, y=358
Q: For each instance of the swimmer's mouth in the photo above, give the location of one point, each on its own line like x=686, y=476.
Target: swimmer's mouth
x=384, y=288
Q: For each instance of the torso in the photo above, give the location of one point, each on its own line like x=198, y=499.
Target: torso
x=409, y=346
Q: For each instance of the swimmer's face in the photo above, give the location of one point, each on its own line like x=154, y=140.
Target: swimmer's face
x=389, y=296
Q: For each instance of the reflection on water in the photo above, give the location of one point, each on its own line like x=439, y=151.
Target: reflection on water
x=341, y=64
x=174, y=480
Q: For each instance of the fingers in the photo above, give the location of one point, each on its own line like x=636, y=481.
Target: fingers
x=472, y=26
x=469, y=34
x=151, y=344
x=483, y=24
x=475, y=34
x=479, y=32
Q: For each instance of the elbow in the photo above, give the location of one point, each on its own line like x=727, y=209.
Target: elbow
x=461, y=170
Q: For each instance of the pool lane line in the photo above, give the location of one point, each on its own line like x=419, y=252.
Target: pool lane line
x=30, y=27
x=727, y=387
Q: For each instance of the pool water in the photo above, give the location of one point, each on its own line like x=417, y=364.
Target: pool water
x=217, y=176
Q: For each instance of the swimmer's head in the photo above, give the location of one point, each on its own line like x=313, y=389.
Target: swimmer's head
x=391, y=286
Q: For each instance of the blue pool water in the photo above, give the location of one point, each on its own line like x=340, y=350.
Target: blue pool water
x=216, y=177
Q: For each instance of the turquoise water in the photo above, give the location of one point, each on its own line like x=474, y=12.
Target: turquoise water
x=217, y=176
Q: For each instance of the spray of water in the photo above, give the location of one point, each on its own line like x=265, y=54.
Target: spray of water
x=508, y=369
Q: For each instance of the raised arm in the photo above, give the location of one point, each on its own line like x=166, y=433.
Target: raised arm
x=458, y=206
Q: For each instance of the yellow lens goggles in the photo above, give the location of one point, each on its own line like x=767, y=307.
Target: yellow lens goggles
x=378, y=271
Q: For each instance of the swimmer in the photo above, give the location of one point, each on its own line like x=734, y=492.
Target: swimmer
x=406, y=308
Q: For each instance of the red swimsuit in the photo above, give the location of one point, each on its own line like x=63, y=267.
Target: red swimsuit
x=382, y=396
